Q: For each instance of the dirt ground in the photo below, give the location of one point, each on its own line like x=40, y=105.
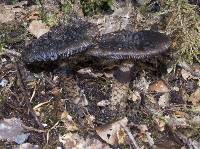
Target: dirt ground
x=80, y=104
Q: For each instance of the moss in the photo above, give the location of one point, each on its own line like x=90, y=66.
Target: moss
x=2, y=45
x=50, y=20
x=2, y=100
x=15, y=1
x=67, y=6
x=11, y=33
x=91, y=7
x=184, y=26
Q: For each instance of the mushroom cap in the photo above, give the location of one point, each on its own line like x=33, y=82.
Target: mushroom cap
x=131, y=45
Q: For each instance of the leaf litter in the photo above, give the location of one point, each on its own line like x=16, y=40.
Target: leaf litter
x=158, y=109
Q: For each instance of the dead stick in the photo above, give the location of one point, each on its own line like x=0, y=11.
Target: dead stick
x=131, y=137
x=24, y=92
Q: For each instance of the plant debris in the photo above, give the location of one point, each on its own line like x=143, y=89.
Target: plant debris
x=12, y=130
x=88, y=99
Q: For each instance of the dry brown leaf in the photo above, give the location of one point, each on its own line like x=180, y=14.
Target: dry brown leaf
x=90, y=120
x=38, y=28
x=160, y=123
x=121, y=135
x=185, y=74
x=34, y=15
x=190, y=71
x=113, y=133
x=195, y=97
x=180, y=114
x=134, y=96
x=56, y=91
x=159, y=87
x=68, y=121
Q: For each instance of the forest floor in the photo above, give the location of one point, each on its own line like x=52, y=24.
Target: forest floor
x=159, y=108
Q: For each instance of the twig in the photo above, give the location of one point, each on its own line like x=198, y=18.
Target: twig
x=33, y=94
x=11, y=52
x=33, y=129
x=41, y=104
x=24, y=92
x=135, y=145
x=48, y=132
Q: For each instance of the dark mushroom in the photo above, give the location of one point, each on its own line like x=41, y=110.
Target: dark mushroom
x=130, y=45
x=59, y=43
x=63, y=42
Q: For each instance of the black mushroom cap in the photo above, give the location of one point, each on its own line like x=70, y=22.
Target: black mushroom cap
x=129, y=45
x=65, y=41
x=59, y=43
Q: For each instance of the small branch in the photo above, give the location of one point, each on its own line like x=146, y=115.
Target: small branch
x=33, y=94
x=48, y=132
x=33, y=129
x=24, y=92
x=41, y=104
x=135, y=145
x=11, y=52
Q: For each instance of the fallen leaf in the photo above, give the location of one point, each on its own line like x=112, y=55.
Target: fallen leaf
x=12, y=130
x=27, y=146
x=75, y=141
x=89, y=71
x=159, y=87
x=180, y=114
x=56, y=91
x=113, y=133
x=3, y=82
x=160, y=123
x=34, y=15
x=38, y=28
x=142, y=84
x=190, y=71
x=195, y=97
x=89, y=119
x=185, y=74
x=103, y=103
x=134, y=96
x=194, y=122
x=70, y=125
